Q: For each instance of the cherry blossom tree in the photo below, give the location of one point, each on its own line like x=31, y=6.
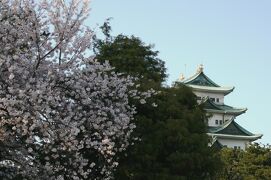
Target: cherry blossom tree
x=63, y=115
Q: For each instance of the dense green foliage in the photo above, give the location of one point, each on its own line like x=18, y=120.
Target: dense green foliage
x=129, y=55
x=173, y=140
x=252, y=164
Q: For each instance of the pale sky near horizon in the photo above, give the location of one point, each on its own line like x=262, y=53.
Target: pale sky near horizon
x=231, y=38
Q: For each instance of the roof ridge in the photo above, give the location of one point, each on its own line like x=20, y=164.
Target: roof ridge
x=192, y=77
x=225, y=125
x=204, y=79
x=210, y=79
x=243, y=129
x=239, y=127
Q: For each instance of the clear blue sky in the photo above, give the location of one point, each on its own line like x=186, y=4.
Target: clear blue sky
x=232, y=38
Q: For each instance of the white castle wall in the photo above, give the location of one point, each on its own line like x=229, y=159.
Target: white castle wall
x=213, y=118
x=234, y=143
x=221, y=118
x=220, y=97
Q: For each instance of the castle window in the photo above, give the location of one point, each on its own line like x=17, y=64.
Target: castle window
x=217, y=99
x=216, y=121
x=212, y=99
x=220, y=122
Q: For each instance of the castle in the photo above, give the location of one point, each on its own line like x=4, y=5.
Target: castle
x=222, y=126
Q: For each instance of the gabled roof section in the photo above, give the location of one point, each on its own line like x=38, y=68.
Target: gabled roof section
x=222, y=90
x=215, y=143
x=200, y=79
x=211, y=106
x=201, y=82
x=230, y=128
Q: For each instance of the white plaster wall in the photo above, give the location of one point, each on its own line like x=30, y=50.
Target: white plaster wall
x=234, y=142
x=211, y=120
x=216, y=116
x=211, y=95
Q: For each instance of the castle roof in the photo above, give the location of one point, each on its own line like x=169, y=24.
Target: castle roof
x=215, y=143
x=201, y=82
x=232, y=130
x=212, y=107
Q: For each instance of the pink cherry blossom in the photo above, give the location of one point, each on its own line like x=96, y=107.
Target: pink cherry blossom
x=63, y=115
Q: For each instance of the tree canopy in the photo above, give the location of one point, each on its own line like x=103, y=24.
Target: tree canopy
x=131, y=56
x=173, y=140
x=252, y=164
x=172, y=134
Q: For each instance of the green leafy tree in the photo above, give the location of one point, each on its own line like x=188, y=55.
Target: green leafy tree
x=173, y=141
x=252, y=164
x=129, y=55
x=171, y=130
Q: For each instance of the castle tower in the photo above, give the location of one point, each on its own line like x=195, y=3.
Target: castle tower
x=222, y=127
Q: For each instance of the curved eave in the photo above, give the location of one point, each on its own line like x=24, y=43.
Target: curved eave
x=236, y=112
x=220, y=110
x=219, y=128
x=200, y=73
x=220, y=90
x=224, y=126
x=228, y=136
x=188, y=80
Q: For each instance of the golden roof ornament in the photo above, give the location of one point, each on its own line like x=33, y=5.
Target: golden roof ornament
x=200, y=68
x=181, y=78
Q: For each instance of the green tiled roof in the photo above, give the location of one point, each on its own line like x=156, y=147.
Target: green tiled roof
x=209, y=105
x=201, y=82
x=200, y=79
x=217, y=145
x=230, y=128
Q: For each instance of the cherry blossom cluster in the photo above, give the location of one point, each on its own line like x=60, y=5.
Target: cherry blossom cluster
x=62, y=114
